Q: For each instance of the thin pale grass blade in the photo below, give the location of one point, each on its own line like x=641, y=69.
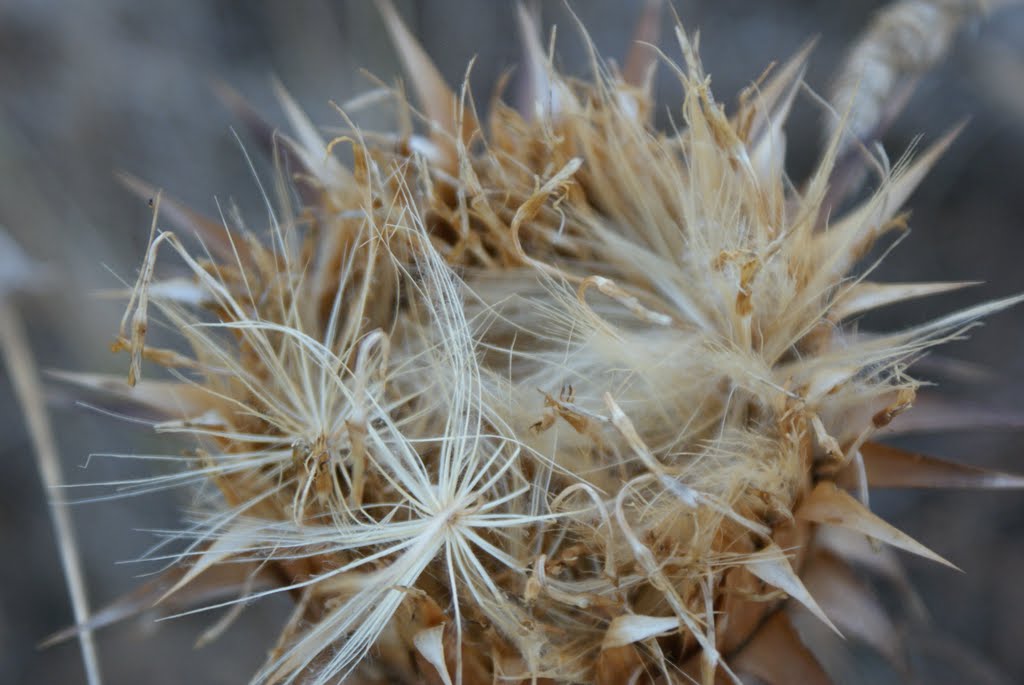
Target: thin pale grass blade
x=23, y=374
x=892, y=467
x=778, y=656
x=829, y=505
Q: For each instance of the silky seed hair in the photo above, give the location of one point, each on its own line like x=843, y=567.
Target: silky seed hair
x=540, y=395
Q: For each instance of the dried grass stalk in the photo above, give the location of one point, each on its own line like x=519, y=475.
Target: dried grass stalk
x=18, y=272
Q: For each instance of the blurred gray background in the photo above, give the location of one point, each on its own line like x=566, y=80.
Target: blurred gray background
x=90, y=88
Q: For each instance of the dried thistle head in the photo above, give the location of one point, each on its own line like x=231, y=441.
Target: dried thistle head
x=550, y=396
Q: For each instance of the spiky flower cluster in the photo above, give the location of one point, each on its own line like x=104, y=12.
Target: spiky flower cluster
x=554, y=397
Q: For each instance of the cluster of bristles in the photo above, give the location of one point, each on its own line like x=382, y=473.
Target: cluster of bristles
x=552, y=397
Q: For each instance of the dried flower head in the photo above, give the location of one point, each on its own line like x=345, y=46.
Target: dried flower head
x=550, y=396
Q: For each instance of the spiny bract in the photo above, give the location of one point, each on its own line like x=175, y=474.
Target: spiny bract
x=551, y=397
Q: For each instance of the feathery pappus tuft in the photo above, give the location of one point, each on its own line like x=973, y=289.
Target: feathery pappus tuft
x=539, y=395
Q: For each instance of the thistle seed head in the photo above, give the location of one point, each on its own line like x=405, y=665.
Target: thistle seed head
x=542, y=395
